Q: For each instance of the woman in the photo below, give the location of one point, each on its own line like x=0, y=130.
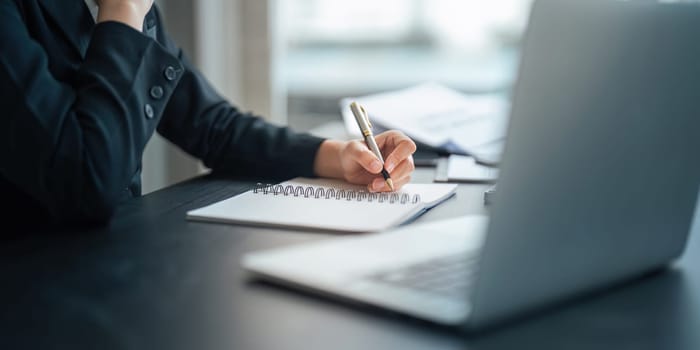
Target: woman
x=85, y=83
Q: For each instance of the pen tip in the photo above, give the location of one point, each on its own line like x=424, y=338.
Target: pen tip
x=390, y=184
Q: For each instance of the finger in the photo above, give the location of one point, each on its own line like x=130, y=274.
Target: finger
x=363, y=156
x=379, y=185
x=391, y=138
x=405, y=168
x=400, y=183
x=404, y=148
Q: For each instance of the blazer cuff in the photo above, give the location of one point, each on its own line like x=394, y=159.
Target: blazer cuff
x=304, y=151
x=141, y=72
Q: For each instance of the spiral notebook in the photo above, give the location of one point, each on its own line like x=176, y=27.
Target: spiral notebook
x=323, y=204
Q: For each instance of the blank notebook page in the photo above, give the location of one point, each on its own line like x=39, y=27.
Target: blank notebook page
x=324, y=204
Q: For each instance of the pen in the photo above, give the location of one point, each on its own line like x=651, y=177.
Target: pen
x=366, y=129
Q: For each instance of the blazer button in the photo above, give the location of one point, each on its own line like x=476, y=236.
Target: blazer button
x=157, y=92
x=148, y=110
x=170, y=73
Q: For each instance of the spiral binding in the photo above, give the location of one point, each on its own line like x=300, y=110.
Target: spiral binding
x=337, y=194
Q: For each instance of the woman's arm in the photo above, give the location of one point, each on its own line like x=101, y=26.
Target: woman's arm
x=208, y=127
x=74, y=148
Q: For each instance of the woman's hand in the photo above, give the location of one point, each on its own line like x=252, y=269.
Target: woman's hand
x=129, y=12
x=353, y=162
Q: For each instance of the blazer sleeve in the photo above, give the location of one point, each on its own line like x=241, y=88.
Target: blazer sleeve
x=74, y=148
x=205, y=125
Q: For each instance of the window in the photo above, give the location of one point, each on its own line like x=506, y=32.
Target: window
x=337, y=48
x=453, y=24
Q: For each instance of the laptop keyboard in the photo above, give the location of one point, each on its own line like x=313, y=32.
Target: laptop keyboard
x=448, y=276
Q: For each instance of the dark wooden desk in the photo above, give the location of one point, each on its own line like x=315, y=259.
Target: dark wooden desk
x=155, y=281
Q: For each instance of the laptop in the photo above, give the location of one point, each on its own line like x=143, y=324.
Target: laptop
x=598, y=182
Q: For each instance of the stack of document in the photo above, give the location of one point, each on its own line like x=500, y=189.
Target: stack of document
x=438, y=117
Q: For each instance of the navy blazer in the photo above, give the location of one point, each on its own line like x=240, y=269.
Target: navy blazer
x=79, y=101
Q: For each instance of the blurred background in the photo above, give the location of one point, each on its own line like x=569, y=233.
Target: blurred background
x=291, y=61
